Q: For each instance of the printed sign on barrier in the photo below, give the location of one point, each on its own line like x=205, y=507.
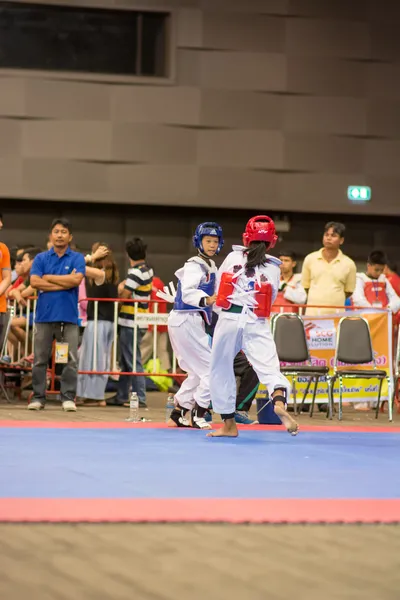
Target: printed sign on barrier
x=151, y=319
x=320, y=335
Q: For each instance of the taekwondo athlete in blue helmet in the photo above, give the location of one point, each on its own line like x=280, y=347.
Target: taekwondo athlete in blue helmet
x=193, y=305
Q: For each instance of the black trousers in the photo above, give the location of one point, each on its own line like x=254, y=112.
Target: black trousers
x=249, y=382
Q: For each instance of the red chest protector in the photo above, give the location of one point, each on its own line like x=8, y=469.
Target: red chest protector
x=375, y=293
x=263, y=295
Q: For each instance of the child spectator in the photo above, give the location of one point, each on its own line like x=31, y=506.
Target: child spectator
x=137, y=286
x=392, y=276
x=21, y=294
x=291, y=292
x=373, y=288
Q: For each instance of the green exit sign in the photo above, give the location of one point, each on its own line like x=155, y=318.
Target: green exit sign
x=359, y=193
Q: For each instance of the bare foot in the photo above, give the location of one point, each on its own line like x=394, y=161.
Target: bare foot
x=229, y=429
x=171, y=423
x=288, y=421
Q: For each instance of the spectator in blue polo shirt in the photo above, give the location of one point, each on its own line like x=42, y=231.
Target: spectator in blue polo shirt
x=56, y=274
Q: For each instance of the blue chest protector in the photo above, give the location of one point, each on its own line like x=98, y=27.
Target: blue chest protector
x=209, y=288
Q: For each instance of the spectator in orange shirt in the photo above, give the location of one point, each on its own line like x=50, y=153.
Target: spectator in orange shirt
x=5, y=282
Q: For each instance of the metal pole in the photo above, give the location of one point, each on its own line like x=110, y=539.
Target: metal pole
x=114, y=367
x=28, y=314
x=134, y=350
x=33, y=328
x=155, y=338
x=19, y=343
x=13, y=314
x=96, y=315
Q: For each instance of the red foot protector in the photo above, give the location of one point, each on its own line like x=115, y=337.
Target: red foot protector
x=152, y=510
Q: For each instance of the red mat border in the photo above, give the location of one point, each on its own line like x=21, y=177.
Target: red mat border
x=35, y=510
x=156, y=425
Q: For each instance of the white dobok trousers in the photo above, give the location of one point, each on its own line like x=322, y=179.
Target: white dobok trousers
x=190, y=344
x=256, y=340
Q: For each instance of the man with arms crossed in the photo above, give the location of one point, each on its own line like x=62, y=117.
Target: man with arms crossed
x=56, y=274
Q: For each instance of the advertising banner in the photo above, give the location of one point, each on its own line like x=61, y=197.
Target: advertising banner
x=321, y=335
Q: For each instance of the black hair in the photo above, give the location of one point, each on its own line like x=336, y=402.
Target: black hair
x=338, y=228
x=19, y=253
x=256, y=254
x=32, y=252
x=13, y=256
x=136, y=249
x=392, y=266
x=61, y=221
x=288, y=253
x=377, y=257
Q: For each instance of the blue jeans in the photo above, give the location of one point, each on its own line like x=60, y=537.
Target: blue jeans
x=128, y=382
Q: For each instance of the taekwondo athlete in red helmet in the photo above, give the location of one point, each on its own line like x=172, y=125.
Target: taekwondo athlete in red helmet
x=193, y=306
x=247, y=284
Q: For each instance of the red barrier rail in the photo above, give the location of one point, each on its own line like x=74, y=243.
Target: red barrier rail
x=117, y=301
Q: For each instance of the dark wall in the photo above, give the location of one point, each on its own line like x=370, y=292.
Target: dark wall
x=168, y=230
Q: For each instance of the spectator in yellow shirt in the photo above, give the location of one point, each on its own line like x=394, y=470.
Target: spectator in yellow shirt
x=328, y=275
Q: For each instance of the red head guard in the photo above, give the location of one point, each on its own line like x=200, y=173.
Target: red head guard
x=260, y=229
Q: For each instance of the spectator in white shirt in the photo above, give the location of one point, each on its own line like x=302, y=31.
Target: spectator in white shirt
x=373, y=289
x=291, y=291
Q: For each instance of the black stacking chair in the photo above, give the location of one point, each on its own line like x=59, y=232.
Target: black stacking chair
x=354, y=347
x=291, y=345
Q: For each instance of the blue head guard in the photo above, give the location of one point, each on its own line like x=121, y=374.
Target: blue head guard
x=208, y=228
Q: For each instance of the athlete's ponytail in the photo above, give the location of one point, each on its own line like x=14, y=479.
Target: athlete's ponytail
x=256, y=254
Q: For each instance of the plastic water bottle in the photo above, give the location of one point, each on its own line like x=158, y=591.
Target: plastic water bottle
x=169, y=406
x=134, y=408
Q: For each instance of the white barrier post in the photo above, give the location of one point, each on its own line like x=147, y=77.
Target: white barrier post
x=28, y=314
x=114, y=367
x=96, y=316
x=33, y=328
x=134, y=352
x=155, y=336
x=11, y=311
x=19, y=343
